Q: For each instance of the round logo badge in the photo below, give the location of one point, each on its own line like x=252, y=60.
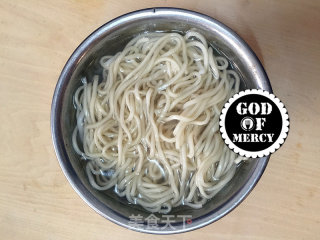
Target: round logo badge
x=254, y=123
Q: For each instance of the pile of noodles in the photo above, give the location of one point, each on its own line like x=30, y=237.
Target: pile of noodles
x=150, y=127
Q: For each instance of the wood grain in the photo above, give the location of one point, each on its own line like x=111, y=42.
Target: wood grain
x=36, y=39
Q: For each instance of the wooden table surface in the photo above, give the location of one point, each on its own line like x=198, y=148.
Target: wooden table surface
x=36, y=39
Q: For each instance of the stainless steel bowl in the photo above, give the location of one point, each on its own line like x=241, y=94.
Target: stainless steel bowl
x=111, y=38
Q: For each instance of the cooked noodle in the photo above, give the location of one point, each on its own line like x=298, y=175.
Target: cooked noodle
x=150, y=127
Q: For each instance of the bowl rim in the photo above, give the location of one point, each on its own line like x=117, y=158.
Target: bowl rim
x=60, y=150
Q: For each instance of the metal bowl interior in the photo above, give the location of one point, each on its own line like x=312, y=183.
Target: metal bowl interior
x=108, y=40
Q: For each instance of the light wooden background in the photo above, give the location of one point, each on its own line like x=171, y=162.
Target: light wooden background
x=36, y=39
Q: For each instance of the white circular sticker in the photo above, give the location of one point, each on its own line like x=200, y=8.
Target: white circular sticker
x=254, y=123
